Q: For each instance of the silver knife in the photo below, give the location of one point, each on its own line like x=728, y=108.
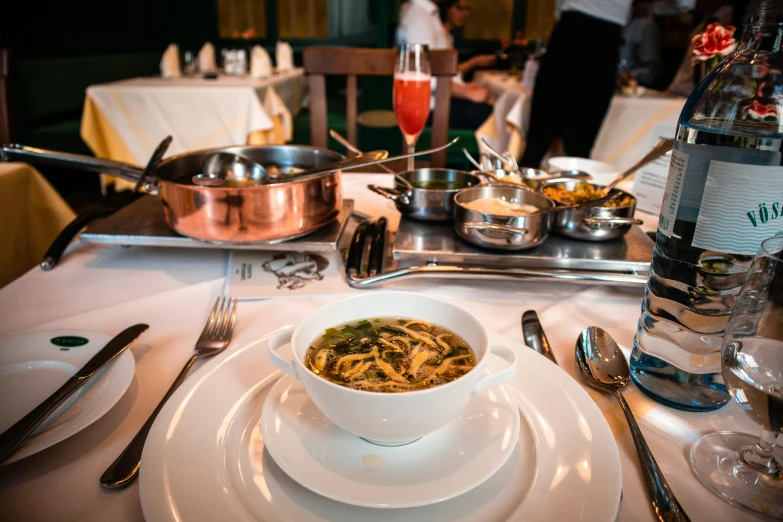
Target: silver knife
x=13, y=437
x=534, y=335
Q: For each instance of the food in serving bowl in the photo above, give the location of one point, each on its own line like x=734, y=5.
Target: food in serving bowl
x=390, y=354
x=592, y=223
x=583, y=192
x=503, y=231
x=391, y=418
x=500, y=207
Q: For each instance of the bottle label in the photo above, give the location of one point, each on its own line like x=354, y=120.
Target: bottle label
x=673, y=192
x=742, y=206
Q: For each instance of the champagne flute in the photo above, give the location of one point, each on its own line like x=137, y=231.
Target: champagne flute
x=412, y=89
x=742, y=469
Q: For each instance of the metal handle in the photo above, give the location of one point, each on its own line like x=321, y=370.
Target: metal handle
x=534, y=335
x=494, y=226
x=348, y=145
x=125, y=469
x=461, y=273
x=665, y=504
x=390, y=193
x=13, y=437
x=662, y=148
x=560, y=176
x=471, y=158
x=72, y=161
x=599, y=223
x=64, y=238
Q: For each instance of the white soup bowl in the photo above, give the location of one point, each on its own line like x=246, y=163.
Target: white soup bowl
x=391, y=419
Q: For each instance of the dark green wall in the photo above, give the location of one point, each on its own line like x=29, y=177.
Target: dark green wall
x=48, y=28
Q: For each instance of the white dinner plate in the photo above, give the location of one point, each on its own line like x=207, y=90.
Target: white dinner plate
x=205, y=458
x=34, y=365
x=331, y=462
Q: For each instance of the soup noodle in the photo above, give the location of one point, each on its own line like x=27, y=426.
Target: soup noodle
x=389, y=355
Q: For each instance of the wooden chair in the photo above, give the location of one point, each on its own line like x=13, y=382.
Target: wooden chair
x=5, y=104
x=322, y=61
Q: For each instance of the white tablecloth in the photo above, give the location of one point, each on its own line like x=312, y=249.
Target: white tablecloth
x=108, y=288
x=621, y=140
x=198, y=113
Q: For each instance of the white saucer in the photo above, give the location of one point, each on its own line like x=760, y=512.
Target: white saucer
x=34, y=365
x=331, y=462
x=205, y=456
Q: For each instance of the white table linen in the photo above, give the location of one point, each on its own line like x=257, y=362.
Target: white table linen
x=108, y=288
x=197, y=112
x=621, y=140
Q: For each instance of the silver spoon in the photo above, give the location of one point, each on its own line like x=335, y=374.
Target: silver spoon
x=592, y=203
x=662, y=148
x=217, y=168
x=603, y=366
x=348, y=145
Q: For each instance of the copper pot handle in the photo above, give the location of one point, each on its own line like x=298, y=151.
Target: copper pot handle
x=37, y=156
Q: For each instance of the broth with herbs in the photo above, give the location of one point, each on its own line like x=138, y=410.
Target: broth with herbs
x=389, y=355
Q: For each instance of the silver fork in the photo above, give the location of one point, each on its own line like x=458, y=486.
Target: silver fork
x=213, y=340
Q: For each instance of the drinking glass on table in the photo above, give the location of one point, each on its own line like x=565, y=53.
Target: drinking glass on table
x=744, y=469
x=412, y=93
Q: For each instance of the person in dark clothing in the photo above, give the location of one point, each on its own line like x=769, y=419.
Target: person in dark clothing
x=574, y=85
x=576, y=80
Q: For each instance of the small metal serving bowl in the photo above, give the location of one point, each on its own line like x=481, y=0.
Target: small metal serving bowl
x=415, y=201
x=593, y=223
x=498, y=231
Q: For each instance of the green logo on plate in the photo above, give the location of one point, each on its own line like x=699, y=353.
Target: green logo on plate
x=69, y=341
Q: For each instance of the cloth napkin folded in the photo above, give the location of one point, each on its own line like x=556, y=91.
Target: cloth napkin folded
x=284, y=56
x=260, y=63
x=206, y=58
x=169, y=64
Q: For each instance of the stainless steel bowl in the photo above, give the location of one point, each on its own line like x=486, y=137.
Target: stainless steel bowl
x=502, y=232
x=594, y=223
x=426, y=204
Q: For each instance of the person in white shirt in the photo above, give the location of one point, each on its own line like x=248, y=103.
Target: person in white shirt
x=430, y=23
x=576, y=80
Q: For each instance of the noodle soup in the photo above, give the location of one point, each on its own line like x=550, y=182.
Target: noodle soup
x=389, y=355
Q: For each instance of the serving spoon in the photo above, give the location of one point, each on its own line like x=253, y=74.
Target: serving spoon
x=662, y=148
x=603, y=366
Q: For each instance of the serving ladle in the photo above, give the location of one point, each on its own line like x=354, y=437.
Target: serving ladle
x=217, y=168
x=603, y=366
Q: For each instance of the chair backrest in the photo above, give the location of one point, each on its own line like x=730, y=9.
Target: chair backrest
x=320, y=62
x=5, y=104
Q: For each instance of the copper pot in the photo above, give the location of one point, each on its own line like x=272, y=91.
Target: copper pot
x=272, y=212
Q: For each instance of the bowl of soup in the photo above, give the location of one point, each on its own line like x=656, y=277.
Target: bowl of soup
x=390, y=367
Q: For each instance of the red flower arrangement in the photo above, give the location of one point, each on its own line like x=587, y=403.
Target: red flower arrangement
x=715, y=41
x=761, y=111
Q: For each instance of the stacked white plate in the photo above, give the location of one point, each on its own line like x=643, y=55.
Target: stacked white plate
x=34, y=365
x=536, y=449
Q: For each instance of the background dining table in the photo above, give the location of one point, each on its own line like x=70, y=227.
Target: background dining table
x=125, y=120
x=621, y=140
x=107, y=288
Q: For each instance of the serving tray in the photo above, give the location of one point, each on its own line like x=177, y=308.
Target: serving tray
x=433, y=251
x=141, y=223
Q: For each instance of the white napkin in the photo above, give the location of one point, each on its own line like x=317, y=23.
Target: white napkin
x=169, y=64
x=206, y=58
x=284, y=56
x=260, y=63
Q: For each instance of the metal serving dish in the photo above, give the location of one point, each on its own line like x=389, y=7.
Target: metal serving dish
x=426, y=204
x=502, y=232
x=593, y=223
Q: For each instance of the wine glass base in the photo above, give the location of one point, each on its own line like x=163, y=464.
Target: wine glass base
x=715, y=459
